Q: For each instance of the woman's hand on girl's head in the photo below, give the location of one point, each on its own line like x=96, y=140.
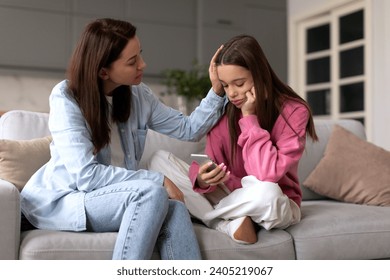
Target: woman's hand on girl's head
x=173, y=191
x=207, y=177
x=215, y=82
x=248, y=108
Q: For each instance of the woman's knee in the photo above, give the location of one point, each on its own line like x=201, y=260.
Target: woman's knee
x=156, y=193
x=178, y=209
x=149, y=195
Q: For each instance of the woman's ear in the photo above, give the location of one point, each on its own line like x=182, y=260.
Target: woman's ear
x=103, y=74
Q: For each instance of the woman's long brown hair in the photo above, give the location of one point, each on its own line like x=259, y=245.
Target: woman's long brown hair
x=271, y=92
x=99, y=46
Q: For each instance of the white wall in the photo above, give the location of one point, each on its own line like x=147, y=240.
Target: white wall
x=379, y=67
x=381, y=72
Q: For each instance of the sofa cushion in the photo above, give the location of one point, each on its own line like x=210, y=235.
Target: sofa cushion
x=314, y=151
x=9, y=221
x=60, y=245
x=272, y=245
x=24, y=125
x=182, y=149
x=352, y=170
x=331, y=230
x=19, y=160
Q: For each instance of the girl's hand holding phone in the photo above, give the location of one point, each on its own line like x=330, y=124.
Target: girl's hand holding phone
x=212, y=174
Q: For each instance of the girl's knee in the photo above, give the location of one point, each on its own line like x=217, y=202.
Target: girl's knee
x=158, y=156
x=261, y=191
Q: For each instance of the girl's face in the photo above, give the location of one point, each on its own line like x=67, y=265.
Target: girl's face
x=236, y=81
x=127, y=69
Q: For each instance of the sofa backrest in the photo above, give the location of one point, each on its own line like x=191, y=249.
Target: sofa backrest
x=314, y=150
x=182, y=149
x=23, y=125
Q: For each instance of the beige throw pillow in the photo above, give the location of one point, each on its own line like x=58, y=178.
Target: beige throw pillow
x=352, y=170
x=19, y=160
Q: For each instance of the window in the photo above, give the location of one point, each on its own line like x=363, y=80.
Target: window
x=332, y=54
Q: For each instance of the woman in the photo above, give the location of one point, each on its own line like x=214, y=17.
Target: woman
x=84, y=186
x=257, y=145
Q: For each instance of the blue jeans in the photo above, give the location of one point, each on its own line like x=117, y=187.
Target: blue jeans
x=144, y=218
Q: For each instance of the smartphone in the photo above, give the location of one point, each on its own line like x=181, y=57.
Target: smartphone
x=202, y=159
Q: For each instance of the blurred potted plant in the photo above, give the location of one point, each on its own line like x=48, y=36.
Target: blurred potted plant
x=191, y=85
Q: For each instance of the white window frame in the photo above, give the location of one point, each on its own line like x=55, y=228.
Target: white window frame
x=298, y=57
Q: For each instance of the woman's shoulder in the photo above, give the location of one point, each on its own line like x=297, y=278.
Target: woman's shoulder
x=141, y=89
x=143, y=92
x=61, y=89
x=61, y=86
x=61, y=97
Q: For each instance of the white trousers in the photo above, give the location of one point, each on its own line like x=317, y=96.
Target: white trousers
x=264, y=202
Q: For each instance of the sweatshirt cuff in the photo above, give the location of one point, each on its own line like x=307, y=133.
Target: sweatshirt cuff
x=248, y=122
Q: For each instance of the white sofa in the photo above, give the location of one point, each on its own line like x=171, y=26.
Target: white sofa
x=329, y=229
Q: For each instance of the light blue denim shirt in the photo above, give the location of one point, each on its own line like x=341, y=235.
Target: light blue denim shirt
x=54, y=196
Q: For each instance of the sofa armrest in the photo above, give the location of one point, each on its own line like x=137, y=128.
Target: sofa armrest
x=9, y=221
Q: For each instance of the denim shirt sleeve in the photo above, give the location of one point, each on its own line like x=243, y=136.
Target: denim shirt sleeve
x=72, y=148
x=175, y=124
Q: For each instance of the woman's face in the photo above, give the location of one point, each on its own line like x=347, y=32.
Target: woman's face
x=127, y=69
x=236, y=81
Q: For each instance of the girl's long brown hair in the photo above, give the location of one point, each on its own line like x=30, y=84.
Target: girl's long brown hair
x=271, y=92
x=100, y=44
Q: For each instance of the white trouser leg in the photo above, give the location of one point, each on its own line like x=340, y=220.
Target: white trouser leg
x=264, y=202
x=177, y=170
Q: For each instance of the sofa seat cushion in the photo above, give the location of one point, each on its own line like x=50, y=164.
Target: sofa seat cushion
x=271, y=245
x=61, y=245
x=336, y=230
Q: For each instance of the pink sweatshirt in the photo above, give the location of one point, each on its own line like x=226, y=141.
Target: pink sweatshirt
x=269, y=157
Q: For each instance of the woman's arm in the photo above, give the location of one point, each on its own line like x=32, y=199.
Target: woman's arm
x=175, y=124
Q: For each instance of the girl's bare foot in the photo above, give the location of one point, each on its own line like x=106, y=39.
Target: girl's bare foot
x=246, y=232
